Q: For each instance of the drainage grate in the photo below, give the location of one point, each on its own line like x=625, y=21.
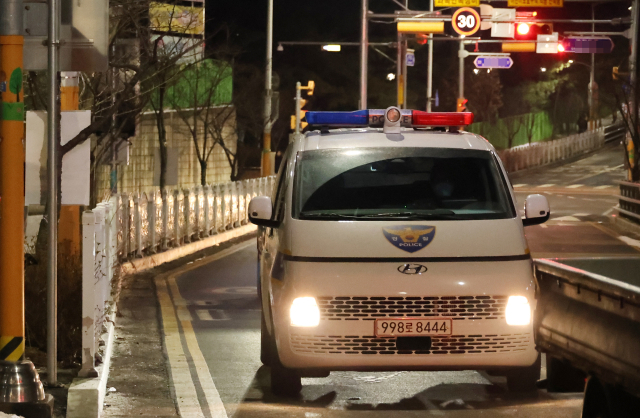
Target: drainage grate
x=455, y=344
x=369, y=308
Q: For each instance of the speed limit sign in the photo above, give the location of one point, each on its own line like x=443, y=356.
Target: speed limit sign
x=465, y=21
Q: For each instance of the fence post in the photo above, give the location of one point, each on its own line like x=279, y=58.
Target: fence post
x=225, y=206
x=138, y=224
x=187, y=215
x=88, y=296
x=176, y=216
x=99, y=270
x=207, y=229
x=165, y=219
x=151, y=217
x=196, y=207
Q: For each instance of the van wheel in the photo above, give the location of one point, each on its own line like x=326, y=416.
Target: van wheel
x=265, y=343
x=562, y=377
x=284, y=381
x=595, y=403
x=524, y=379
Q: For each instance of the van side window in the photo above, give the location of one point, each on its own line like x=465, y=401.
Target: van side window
x=280, y=190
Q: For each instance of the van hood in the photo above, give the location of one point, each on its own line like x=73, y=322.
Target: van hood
x=406, y=239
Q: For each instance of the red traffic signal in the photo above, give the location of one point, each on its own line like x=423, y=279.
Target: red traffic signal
x=530, y=31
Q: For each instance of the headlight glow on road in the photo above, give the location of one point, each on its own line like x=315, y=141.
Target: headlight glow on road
x=518, y=311
x=304, y=312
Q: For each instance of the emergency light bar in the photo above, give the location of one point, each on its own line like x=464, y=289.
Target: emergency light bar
x=382, y=117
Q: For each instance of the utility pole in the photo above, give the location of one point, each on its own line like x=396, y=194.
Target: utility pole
x=592, y=77
x=405, y=45
x=267, y=168
x=53, y=172
x=11, y=183
x=430, y=67
x=364, y=53
x=461, y=70
x=298, y=107
x=399, y=75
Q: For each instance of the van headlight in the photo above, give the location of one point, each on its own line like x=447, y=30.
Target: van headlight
x=518, y=311
x=304, y=312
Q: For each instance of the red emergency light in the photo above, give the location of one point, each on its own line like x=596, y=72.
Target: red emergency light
x=421, y=118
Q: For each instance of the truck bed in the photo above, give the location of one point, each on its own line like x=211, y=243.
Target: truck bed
x=591, y=320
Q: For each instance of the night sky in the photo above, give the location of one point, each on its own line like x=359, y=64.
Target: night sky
x=336, y=74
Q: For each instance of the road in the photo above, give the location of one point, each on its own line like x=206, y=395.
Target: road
x=216, y=299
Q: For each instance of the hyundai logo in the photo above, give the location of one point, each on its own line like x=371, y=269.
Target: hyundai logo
x=412, y=269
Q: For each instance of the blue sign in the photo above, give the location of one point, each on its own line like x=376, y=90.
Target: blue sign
x=493, y=62
x=411, y=59
x=410, y=238
x=588, y=45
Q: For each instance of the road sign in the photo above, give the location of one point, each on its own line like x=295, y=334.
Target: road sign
x=535, y=3
x=411, y=58
x=465, y=21
x=456, y=3
x=588, y=45
x=493, y=62
x=547, y=44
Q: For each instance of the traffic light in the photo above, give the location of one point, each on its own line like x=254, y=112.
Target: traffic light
x=531, y=30
x=616, y=73
x=462, y=105
x=310, y=87
x=302, y=123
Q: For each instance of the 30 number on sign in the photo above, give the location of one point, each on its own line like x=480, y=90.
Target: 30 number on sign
x=465, y=21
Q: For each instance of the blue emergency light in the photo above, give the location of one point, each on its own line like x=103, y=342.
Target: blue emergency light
x=359, y=117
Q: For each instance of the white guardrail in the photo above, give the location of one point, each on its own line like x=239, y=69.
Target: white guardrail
x=540, y=153
x=134, y=225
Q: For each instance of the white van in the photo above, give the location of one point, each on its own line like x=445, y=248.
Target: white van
x=394, y=243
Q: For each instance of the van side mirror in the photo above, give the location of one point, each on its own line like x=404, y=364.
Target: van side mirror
x=260, y=212
x=536, y=210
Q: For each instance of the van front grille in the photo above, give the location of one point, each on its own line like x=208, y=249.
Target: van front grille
x=368, y=308
x=455, y=344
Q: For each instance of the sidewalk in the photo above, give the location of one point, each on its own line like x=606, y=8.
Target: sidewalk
x=139, y=382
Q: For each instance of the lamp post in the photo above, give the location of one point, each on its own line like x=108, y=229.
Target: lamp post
x=267, y=159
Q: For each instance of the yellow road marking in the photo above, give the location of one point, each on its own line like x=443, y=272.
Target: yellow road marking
x=185, y=392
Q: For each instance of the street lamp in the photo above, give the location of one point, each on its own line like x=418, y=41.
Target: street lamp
x=391, y=76
x=331, y=48
x=543, y=69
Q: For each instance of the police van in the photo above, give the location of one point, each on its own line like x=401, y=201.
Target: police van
x=392, y=241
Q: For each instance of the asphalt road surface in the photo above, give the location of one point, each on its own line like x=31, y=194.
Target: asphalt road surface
x=215, y=302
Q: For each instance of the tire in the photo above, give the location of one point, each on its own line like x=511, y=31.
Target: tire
x=524, y=379
x=595, y=404
x=562, y=377
x=265, y=343
x=285, y=382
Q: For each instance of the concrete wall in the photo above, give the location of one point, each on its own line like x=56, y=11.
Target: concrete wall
x=184, y=168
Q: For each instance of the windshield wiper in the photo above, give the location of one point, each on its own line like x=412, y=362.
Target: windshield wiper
x=325, y=215
x=439, y=215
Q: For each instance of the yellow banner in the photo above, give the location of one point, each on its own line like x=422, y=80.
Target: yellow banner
x=457, y=3
x=535, y=3
x=177, y=19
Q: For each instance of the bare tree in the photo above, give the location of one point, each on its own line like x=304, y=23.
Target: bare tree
x=512, y=125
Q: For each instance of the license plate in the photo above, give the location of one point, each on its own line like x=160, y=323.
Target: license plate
x=414, y=327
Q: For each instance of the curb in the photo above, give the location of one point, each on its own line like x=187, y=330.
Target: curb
x=86, y=395
x=626, y=224
x=141, y=264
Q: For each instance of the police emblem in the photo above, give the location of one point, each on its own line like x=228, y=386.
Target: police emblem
x=410, y=238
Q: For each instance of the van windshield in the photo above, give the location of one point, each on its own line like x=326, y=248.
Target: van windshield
x=399, y=183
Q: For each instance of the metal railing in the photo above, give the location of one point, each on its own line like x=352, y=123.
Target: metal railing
x=135, y=225
x=629, y=201
x=541, y=153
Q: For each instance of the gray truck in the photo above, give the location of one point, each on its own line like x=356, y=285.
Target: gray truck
x=588, y=324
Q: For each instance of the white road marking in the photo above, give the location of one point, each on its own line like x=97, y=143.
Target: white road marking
x=575, y=186
x=603, y=187
x=607, y=212
x=546, y=185
x=566, y=219
x=544, y=226
x=581, y=214
x=204, y=315
x=519, y=185
x=571, y=197
x=630, y=241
